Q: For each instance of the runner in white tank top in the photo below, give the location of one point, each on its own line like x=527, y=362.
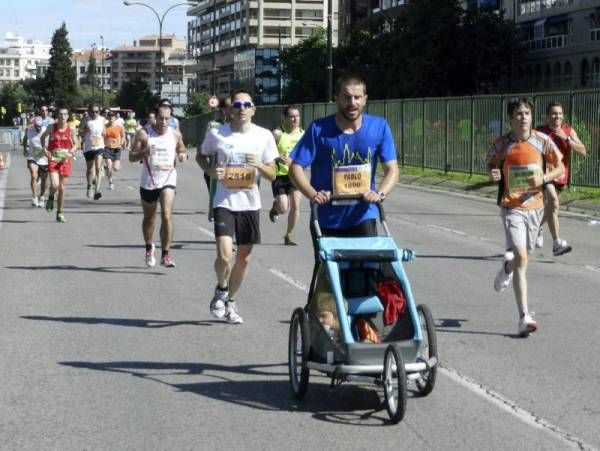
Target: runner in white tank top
x=157, y=147
x=158, y=168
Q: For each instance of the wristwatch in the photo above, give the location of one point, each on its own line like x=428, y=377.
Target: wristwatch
x=381, y=196
x=568, y=139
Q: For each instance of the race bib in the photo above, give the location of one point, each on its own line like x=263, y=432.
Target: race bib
x=518, y=178
x=37, y=152
x=351, y=180
x=96, y=141
x=59, y=154
x=160, y=158
x=239, y=176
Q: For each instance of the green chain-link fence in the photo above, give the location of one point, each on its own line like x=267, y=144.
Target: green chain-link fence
x=453, y=134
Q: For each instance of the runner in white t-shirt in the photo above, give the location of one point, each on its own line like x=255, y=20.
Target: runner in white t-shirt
x=93, y=146
x=158, y=147
x=37, y=162
x=244, y=152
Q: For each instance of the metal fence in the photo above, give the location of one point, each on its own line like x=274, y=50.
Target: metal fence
x=454, y=133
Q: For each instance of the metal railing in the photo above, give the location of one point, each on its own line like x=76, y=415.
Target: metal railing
x=453, y=133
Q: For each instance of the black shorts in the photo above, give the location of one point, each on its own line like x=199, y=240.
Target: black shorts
x=282, y=185
x=244, y=226
x=90, y=155
x=41, y=167
x=112, y=154
x=151, y=196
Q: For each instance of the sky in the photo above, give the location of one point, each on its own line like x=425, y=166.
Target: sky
x=87, y=20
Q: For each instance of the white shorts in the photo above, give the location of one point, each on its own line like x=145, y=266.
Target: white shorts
x=521, y=227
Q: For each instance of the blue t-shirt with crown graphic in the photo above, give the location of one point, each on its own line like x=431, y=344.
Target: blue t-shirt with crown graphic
x=325, y=148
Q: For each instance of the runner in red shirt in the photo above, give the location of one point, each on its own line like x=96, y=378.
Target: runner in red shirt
x=566, y=139
x=59, y=144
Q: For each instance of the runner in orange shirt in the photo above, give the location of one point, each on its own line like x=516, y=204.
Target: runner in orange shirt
x=114, y=140
x=517, y=160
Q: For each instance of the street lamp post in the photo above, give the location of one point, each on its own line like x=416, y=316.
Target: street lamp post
x=92, y=77
x=279, y=65
x=102, y=71
x=329, y=51
x=160, y=27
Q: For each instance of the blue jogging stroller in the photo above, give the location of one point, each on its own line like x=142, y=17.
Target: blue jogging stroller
x=361, y=322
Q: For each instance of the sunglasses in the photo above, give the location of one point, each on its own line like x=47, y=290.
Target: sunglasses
x=238, y=104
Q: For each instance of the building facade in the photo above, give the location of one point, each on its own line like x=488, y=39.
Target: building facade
x=140, y=61
x=562, y=38
x=81, y=62
x=20, y=57
x=224, y=32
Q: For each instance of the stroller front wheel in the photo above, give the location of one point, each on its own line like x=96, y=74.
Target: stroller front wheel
x=394, y=383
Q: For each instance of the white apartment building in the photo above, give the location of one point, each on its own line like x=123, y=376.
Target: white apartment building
x=81, y=61
x=249, y=33
x=19, y=58
x=141, y=61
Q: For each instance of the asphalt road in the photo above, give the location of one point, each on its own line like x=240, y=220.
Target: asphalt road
x=99, y=352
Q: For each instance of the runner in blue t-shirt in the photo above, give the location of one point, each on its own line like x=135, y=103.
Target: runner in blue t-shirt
x=342, y=151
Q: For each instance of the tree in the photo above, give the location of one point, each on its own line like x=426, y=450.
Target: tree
x=488, y=47
x=88, y=95
x=137, y=96
x=90, y=77
x=304, y=68
x=10, y=95
x=197, y=104
x=61, y=79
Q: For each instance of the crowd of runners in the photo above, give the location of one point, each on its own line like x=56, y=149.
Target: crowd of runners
x=342, y=151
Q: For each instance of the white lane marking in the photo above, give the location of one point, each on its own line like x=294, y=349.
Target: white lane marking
x=592, y=268
x=130, y=187
x=3, y=182
x=479, y=389
x=206, y=231
x=289, y=279
x=529, y=418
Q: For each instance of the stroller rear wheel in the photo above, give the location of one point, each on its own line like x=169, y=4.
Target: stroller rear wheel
x=428, y=349
x=394, y=383
x=298, y=350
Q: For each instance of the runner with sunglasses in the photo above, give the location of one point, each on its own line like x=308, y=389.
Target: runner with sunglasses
x=243, y=152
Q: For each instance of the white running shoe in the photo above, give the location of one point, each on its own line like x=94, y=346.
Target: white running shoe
x=111, y=186
x=561, y=247
x=34, y=202
x=539, y=241
x=217, y=304
x=90, y=192
x=231, y=313
x=150, y=260
x=502, y=280
x=41, y=202
x=527, y=325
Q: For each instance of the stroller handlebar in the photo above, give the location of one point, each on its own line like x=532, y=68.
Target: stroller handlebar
x=345, y=200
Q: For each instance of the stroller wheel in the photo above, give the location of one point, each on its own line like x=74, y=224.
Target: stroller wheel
x=428, y=349
x=298, y=351
x=394, y=383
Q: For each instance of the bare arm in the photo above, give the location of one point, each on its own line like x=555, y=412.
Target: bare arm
x=390, y=179
x=576, y=144
x=180, y=147
x=139, y=149
x=299, y=178
x=266, y=170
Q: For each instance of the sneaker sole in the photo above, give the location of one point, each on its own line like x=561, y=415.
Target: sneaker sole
x=239, y=321
x=564, y=251
x=217, y=314
x=530, y=329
